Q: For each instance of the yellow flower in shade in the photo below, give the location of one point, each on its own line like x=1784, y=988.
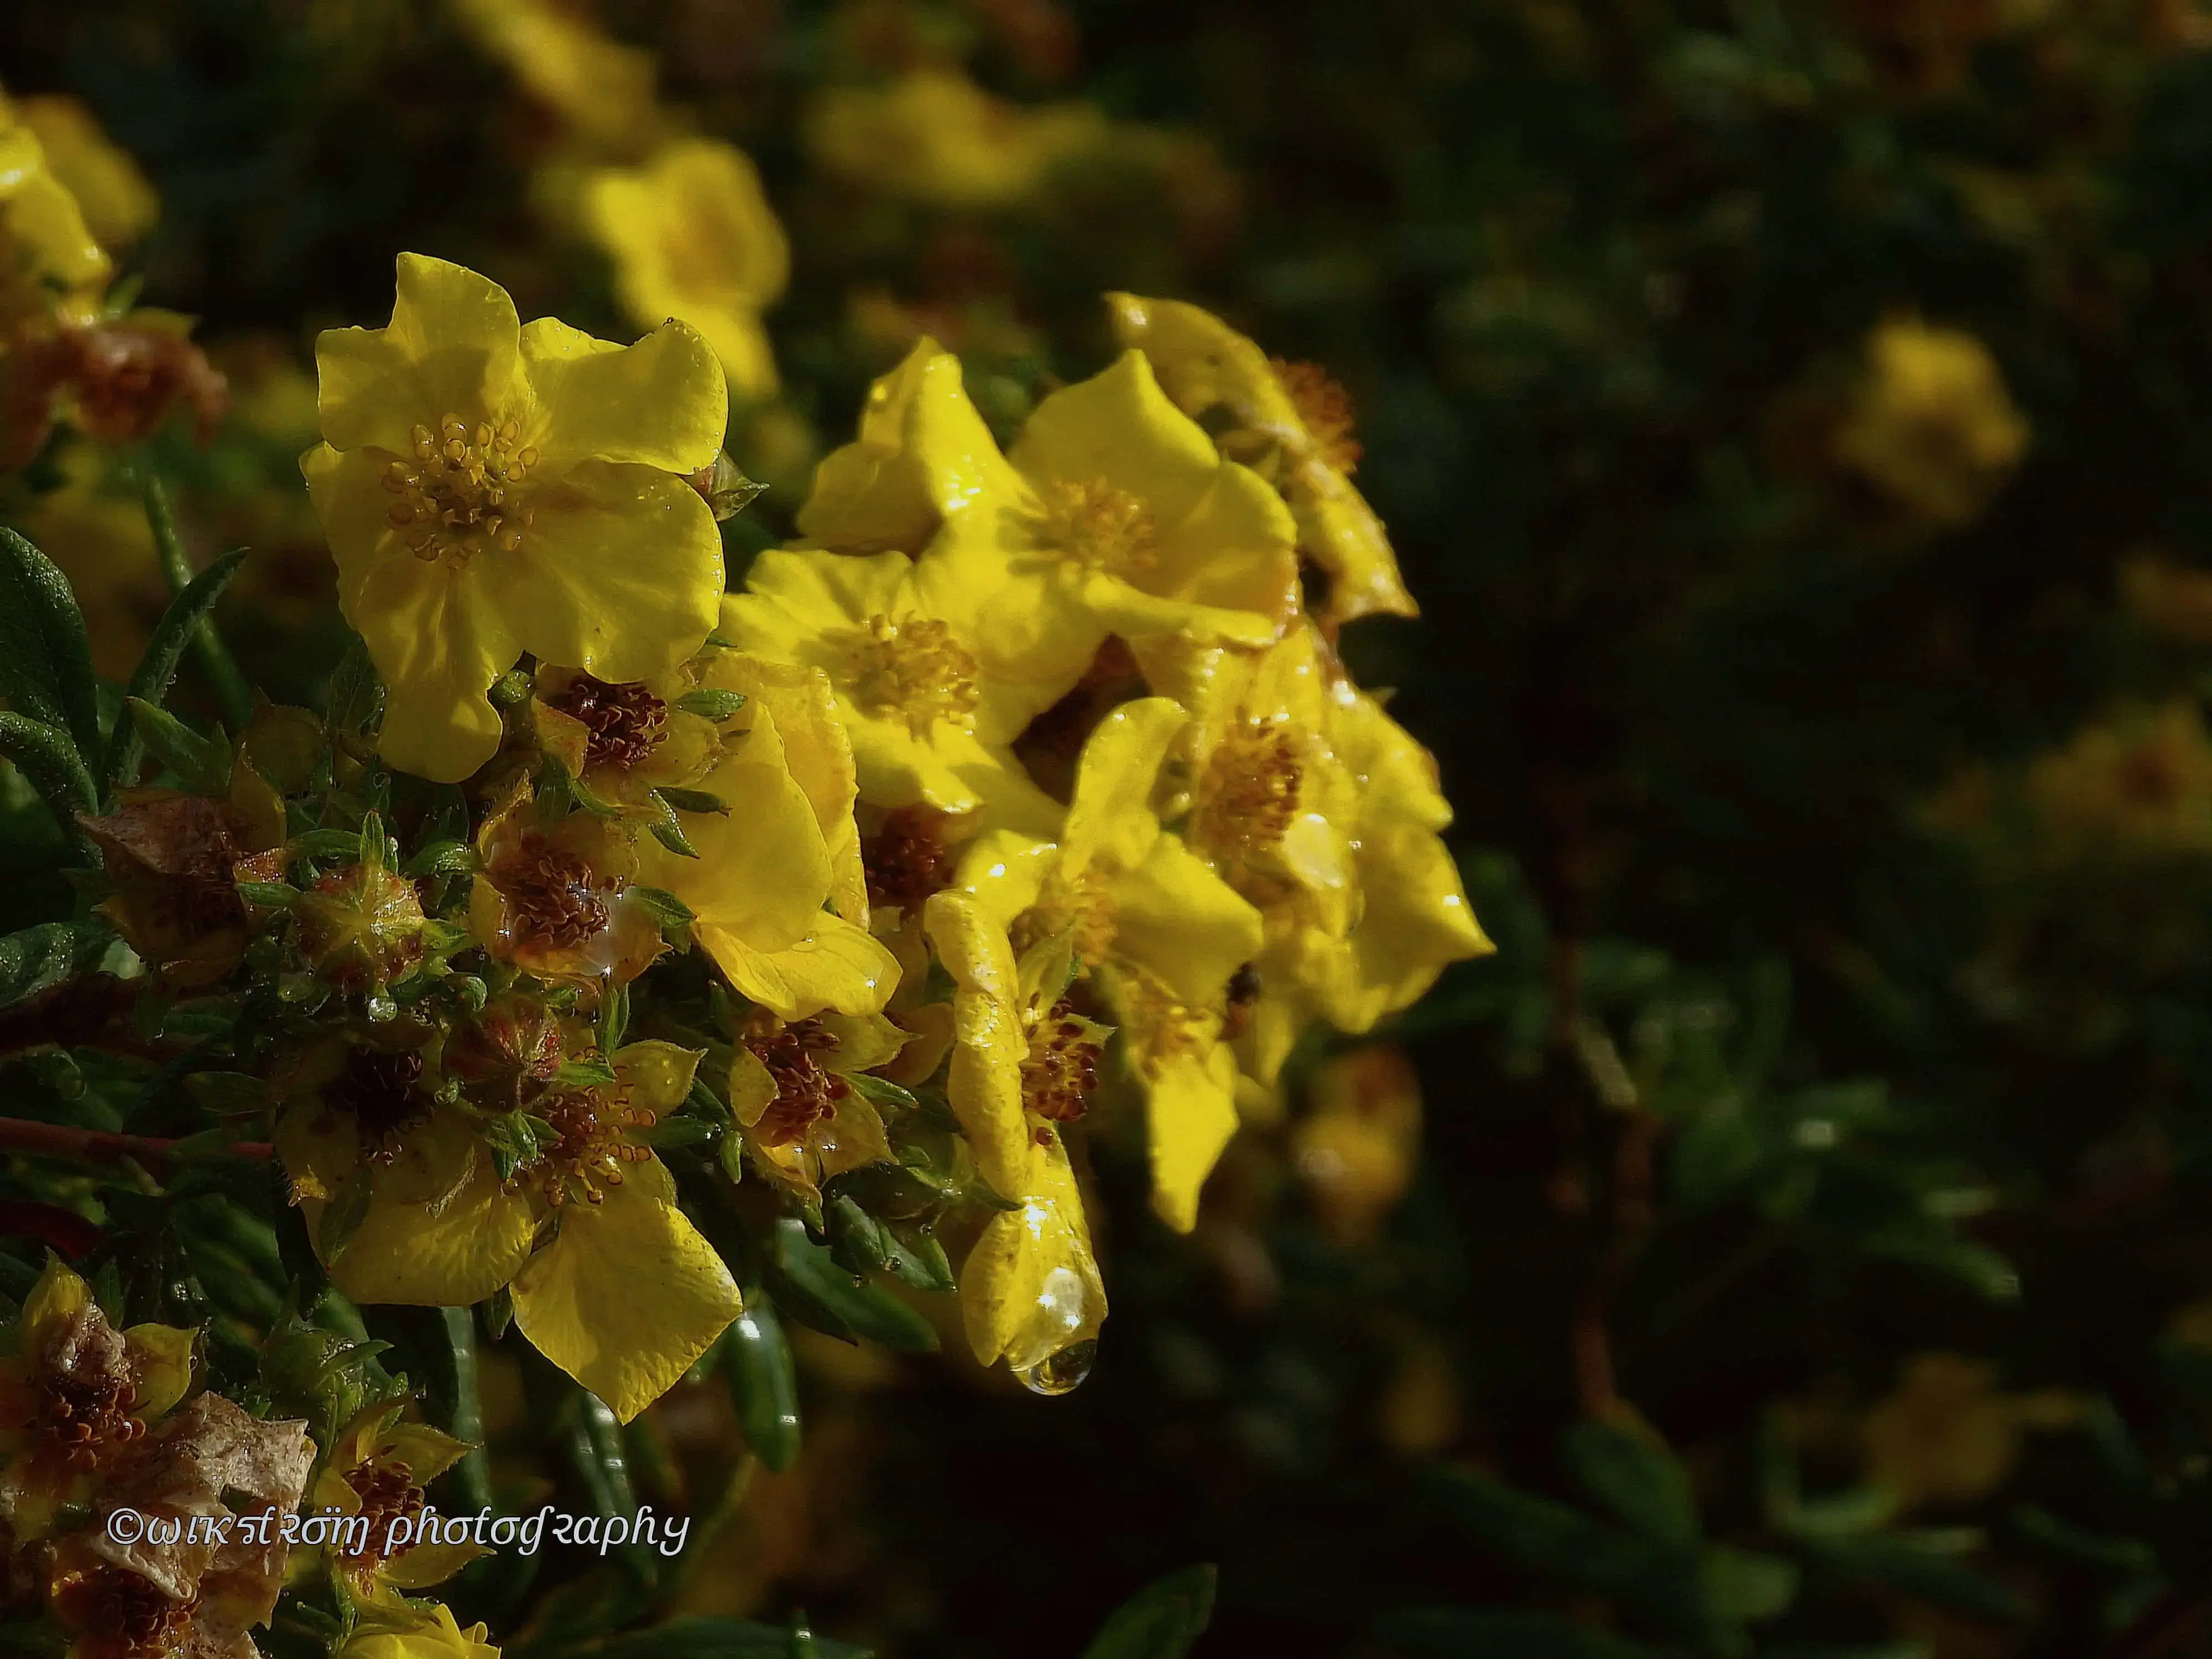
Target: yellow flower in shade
x=927, y=726
x=935, y=137
x=790, y=1092
x=1357, y=1146
x=1158, y=931
x=624, y=741
x=1030, y=1290
x=558, y=899
x=2173, y=597
x=74, y=1393
x=94, y=529
x=624, y=1297
x=2141, y=782
x=1289, y=421
x=765, y=870
x=1112, y=514
x=489, y=489
x=600, y=88
x=49, y=260
x=692, y=237
x=405, y=1631
x=1932, y=425
x=117, y=204
x=377, y=1469
x=1946, y=1435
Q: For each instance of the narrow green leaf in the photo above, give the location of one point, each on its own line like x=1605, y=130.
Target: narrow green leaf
x=173, y=744
x=763, y=1382
x=158, y=667
x=439, y=858
x=1160, y=1621
x=882, y=1091
x=46, y=659
x=708, y=703
x=45, y=755
x=232, y=692
x=852, y=1307
x=1636, y=1479
x=37, y=959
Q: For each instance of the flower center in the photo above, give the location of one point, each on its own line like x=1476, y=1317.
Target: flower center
x=1325, y=407
x=914, y=666
x=1164, y=1025
x=81, y=1415
x=905, y=860
x=591, y=1150
x=456, y=492
x=1083, y=908
x=626, y=722
x=1061, y=1068
x=1249, y=793
x=553, y=892
x=379, y=1090
x=1098, y=526
x=388, y=1493
x=805, y=1093
x=128, y=1616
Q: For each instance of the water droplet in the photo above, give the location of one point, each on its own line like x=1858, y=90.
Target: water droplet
x=1062, y=1372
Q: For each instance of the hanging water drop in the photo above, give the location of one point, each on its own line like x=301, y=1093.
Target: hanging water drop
x=1062, y=1372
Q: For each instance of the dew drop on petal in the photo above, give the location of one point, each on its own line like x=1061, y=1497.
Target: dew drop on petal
x=1062, y=1372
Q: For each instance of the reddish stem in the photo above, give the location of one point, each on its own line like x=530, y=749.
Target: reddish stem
x=19, y=1135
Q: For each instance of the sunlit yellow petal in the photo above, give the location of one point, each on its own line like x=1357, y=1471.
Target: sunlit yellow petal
x=454, y=346
x=1030, y=1287
x=1190, y=1113
x=841, y=967
x=658, y=403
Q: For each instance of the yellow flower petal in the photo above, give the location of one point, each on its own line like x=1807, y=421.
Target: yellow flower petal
x=841, y=967
x=1119, y=425
x=440, y=1231
x=1190, y=1113
x=164, y=1354
x=621, y=575
x=656, y=1075
x=1183, y=923
x=454, y=346
x=628, y=1295
x=761, y=873
x=1030, y=1286
x=990, y=1040
x=1110, y=818
x=406, y=1633
x=425, y=1564
x=660, y=402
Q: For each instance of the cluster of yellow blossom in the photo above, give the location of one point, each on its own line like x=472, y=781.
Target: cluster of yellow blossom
x=1026, y=775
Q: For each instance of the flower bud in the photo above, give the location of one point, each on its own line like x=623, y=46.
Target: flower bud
x=361, y=926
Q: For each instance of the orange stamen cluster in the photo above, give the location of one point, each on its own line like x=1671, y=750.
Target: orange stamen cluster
x=1249, y=794
x=456, y=493
x=906, y=860
x=591, y=1150
x=914, y=666
x=807, y=1093
x=388, y=1493
x=1098, y=526
x=81, y=1415
x=379, y=1090
x=124, y=1615
x=553, y=893
x=625, y=721
x=1061, y=1068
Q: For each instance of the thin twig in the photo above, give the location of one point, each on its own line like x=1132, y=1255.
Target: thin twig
x=19, y=1135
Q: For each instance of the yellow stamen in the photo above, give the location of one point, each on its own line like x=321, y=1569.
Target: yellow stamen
x=915, y=668
x=1098, y=526
x=457, y=490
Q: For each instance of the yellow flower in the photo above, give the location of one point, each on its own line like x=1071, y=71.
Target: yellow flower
x=489, y=489
x=1357, y=1147
x=790, y=1091
x=624, y=1296
x=1292, y=422
x=1945, y=1434
x=1932, y=425
x=765, y=869
x=622, y=741
x=927, y=726
x=1112, y=515
x=75, y=1392
x=558, y=899
x=408, y=1632
x=1161, y=934
x=934, y=137
x=377, y=1469
x=118, y=203
x=48, y=258
x=1030, y=1290
x=2173, y=597
x=2141, y=781
x=602, y=88
x=1022, y=1058
x=693, y=237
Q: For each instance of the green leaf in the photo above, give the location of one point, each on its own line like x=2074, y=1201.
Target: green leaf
x=882, y=1091
x=51, y=761
x=39, y=959
x=1636, y=1479
x=763, y=1382
x=1924, y=1566
x=1161, y=1621
x=439, y=858
x=230, y=1094
x=1743, y=1587
x=46, y=659
x=354, y=702
x=708, y=703
x=809, y=1282
x=269, y=894
x=231, y=689
x=157, y=668
x=175, y=745
x=663, y=906
x=1481, y=1633
x=590, y=1071
x=343, y=1218
x=693, y=800
x=667, y=831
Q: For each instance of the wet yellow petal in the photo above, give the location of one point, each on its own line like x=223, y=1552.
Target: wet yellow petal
x=1184, y=925
x=409, y=1634
x=1119, y=426
x=164, y=1354
x=761, y=873
x=660, y=402
x=990, y=1040
x=657, y=1075
x=1110, y=818
x=440, y=1232
x=841, y=967
x=1030, y=1287
x=628, y=1295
